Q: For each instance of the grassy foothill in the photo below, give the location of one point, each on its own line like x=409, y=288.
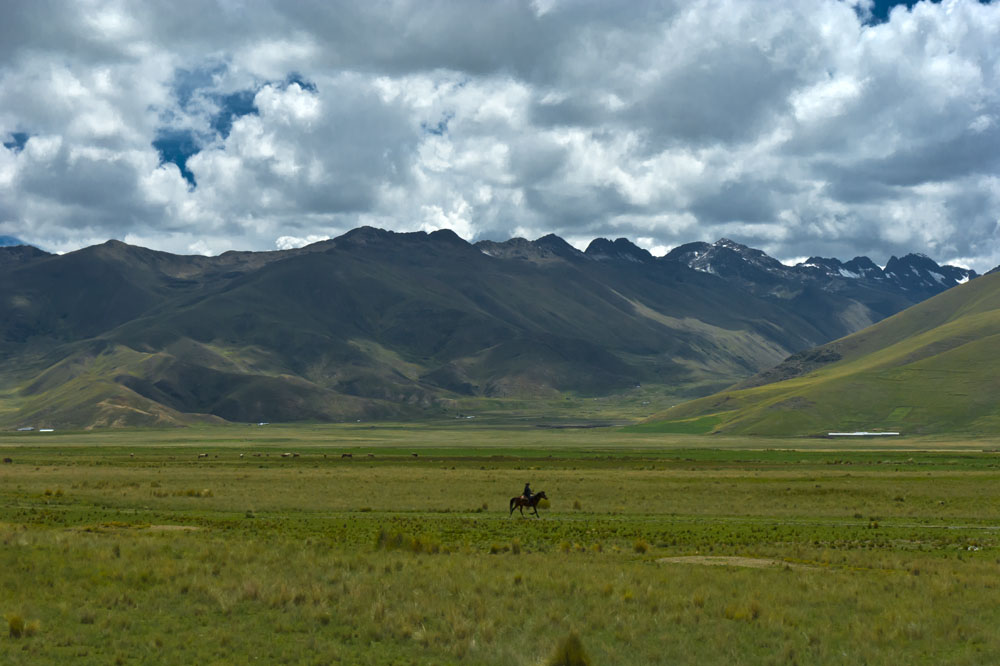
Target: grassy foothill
x=929, y=369
x=209, y=545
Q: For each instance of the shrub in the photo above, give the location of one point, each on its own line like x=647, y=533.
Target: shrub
x=569, y=652
x=640, y=546
x=15, y=624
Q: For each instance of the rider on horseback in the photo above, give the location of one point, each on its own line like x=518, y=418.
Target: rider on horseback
x=527, y=491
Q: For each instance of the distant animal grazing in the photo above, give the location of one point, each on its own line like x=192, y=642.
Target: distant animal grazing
x=414, y=455
x=7, y=461
x=286, y=455
x=520, y=502
x=202, y=455
x=371, y=455
x=241, y=455
x=346, y=455
x=131, y=455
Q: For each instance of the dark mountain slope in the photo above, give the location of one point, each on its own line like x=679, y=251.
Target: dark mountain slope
x=377, y=324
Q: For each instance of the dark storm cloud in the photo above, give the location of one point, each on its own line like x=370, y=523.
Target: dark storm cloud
x=743, y=201
x=726, y=95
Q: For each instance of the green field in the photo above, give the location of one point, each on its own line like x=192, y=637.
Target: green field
x=127, y=547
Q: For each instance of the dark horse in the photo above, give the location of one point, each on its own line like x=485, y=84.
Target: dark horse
x=520, y=503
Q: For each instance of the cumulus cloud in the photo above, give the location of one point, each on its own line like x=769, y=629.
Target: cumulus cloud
x=826, y=127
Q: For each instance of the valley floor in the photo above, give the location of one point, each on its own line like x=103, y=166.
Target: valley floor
x=209, y=546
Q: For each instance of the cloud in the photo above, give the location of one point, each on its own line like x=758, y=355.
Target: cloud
x=828, y=127
x=292, y=242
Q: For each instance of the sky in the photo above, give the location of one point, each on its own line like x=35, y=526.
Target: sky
x=817, y=127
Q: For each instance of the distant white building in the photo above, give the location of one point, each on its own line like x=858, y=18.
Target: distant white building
x=861, y=434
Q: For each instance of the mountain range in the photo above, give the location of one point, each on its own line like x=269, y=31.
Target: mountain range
x=377, y=324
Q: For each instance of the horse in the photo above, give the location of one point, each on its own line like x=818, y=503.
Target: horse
x=520, y=502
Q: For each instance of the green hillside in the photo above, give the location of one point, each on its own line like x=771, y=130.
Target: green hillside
x=932, y=368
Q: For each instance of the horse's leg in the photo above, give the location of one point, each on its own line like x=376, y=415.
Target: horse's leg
x=536, y=511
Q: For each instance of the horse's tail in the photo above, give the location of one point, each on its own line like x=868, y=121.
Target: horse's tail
x=512, y=500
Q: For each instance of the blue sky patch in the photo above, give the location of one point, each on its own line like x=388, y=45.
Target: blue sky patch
x=881, y=8
x=441, y=128
x=305, y=84
x=187, y=82
x=17, y=141
x=231, y=107
x=176, y=146
x=10, y=241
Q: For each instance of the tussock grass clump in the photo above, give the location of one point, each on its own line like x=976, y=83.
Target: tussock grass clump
x=746, y=612
x=15, y=625
x=414, y=544
x=569, y=652
x=191, y=492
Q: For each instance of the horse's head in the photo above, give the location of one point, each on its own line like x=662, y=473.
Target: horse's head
x=541, y=495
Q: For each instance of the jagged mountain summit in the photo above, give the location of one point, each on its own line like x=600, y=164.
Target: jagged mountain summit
x=857, y=268
x=727, y=258
x=621, y=249
x=377, y=324
x=913, y=272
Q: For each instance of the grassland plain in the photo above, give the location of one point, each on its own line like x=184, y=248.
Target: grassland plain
x=127, y=547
